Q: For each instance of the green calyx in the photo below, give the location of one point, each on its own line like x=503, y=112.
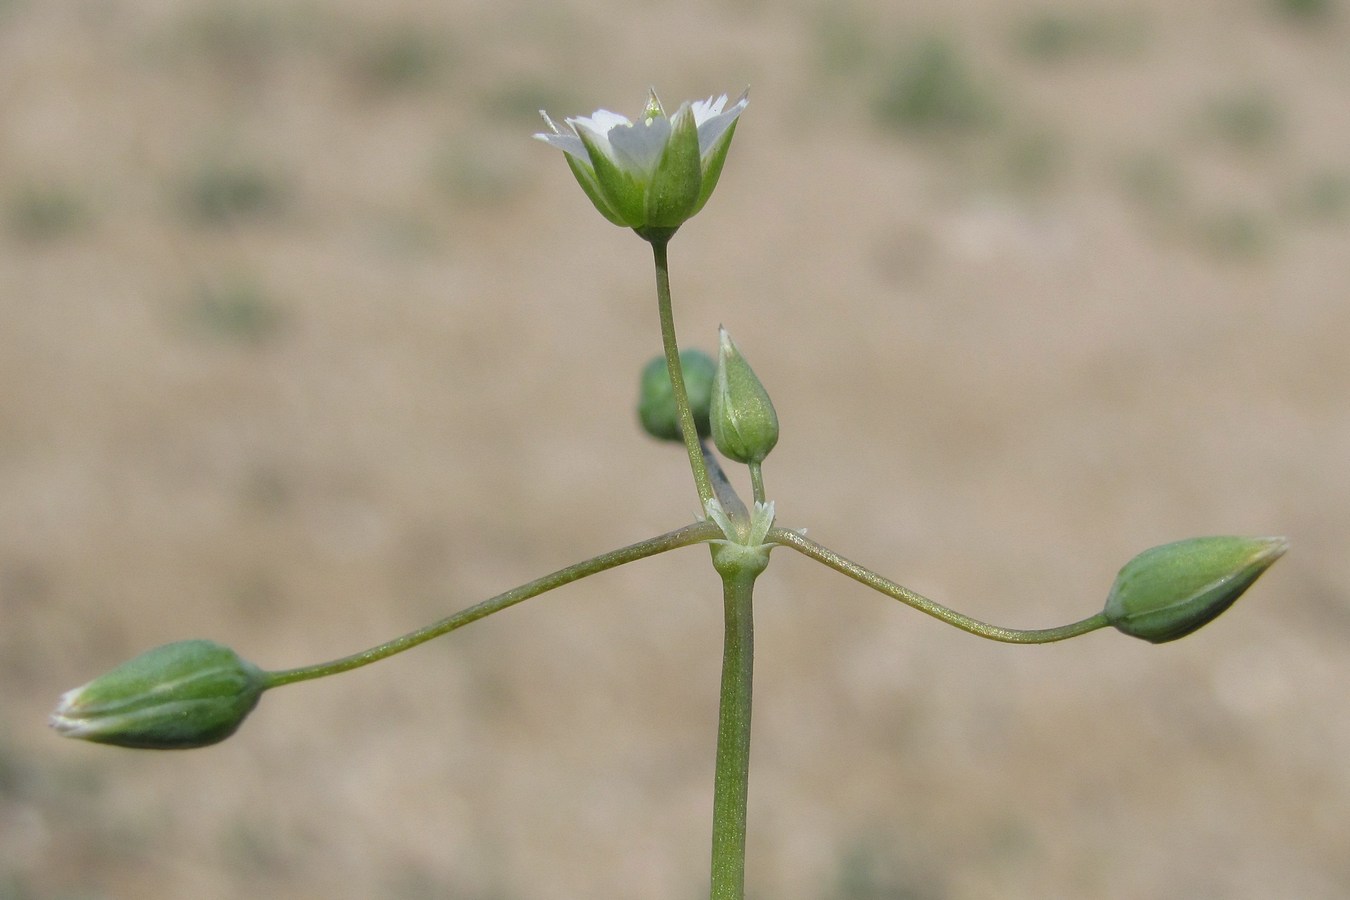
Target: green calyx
x=744, y=423
x=177, y=696
x=1168, y=592
x=622, y=191
x=743, y=550
x=673, y=192
x=660, y=199
x=653, y=174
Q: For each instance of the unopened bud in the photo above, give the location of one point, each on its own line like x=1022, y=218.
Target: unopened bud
x=1167, y=592
x=174, y=697
x=744, y=423
x=656, y=395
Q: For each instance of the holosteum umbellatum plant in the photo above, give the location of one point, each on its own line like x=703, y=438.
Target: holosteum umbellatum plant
x=651, y=175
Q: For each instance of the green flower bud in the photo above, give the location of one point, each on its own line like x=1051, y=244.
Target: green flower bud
x=1167, y=592
x=656, y=395
x=744, y=423
x=181, y=695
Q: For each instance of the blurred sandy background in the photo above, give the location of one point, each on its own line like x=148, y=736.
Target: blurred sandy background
x=304, y=343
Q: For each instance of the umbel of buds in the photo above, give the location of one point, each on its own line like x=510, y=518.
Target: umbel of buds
x=744, y=423
x=1167, y=592
x=656, y=395
x=175, y=697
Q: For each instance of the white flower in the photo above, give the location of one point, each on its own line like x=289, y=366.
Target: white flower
x=653, y=174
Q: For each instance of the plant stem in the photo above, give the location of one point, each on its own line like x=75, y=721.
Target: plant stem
x=723, y=489
x=672, y=349
x=993, y=632
x=757, y=482
x=682, y=537
x=731, y=782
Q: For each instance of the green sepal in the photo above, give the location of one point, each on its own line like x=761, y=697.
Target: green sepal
x=675, y=185
x=712, y=167
x=176, y=696
x=1168, y=592
x=744, y=422
x=586, y=178
x=622, y=192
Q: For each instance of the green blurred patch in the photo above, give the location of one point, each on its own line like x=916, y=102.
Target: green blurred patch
x=1245, y=118
x=1304, y=10
x=252, y=847
x=478, y=174
x=239, y=37
x=1034, y=159
x=13, y=886
x=517, y=101
x=402, y=57
x=1214, y=225
x=227, y=192
x=1323, y=197
x=409, y=882
x=868, y=870
x=843, y=47
x=234, y=309
x=45, y=211
x=1055, y=36
x=1235, y=233
x=1155, y=183
x=931, y=88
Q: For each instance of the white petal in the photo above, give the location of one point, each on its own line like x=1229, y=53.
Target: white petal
x=761, y=520
x=600, y=121
x=637, y=147
x=719, y=516
x=599, y=136
x=569, y=143
x=566, y=141
x=712, y=129
x=706, y=109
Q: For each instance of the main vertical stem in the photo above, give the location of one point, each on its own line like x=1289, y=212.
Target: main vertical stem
x=731, y=782
x=672, y=348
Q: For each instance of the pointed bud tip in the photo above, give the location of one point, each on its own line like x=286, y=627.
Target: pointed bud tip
x=653, y=108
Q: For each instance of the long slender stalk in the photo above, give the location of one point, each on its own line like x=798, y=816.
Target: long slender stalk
x=731, y=782
x=858, y=573
x=682, y=537
x=672, y=350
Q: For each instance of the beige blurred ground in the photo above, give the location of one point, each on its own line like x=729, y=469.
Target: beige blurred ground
x=304, y=342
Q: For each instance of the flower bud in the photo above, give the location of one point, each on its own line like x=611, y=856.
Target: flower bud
x=744, y=423
x=1167, y=592
x=174, y=697
x=656, y=395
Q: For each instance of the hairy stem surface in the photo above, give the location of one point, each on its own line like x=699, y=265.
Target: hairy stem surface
x=731, y=783
x=682, y=537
